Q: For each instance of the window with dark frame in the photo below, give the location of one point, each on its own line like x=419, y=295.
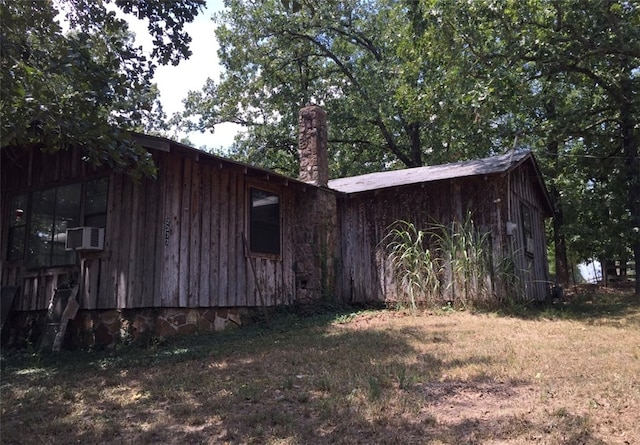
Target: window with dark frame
x=527, y=229
x=264, y=222
x=53, y=211
x=39, y=221
x=17, y=227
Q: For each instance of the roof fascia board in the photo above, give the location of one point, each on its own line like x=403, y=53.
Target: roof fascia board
x=167, y=145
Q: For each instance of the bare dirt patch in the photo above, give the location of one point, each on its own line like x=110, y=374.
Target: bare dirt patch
x=477, y=400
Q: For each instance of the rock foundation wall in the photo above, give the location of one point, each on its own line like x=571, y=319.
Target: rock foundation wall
x=95, y=328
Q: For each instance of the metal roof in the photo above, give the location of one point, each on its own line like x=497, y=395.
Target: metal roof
x=394, y=178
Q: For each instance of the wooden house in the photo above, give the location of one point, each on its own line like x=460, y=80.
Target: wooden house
x=504, y=195
x=191, y=250
x=211, y=240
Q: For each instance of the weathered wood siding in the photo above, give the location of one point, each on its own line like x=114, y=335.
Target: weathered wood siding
x=177, y=241
x=523, y=189
x=365, y=220
x=202, y=219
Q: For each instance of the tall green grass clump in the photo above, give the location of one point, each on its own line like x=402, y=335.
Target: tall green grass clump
x=415, y=268
x=451, y=263
x=467, y=265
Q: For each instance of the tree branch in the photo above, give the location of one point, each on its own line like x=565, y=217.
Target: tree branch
x=379, y=122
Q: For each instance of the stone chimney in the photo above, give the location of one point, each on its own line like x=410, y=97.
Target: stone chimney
x=312, y=146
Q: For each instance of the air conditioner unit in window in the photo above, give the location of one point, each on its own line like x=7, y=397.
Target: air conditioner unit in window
x=85, y=238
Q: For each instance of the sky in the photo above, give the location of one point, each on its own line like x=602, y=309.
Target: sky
x=174, y=82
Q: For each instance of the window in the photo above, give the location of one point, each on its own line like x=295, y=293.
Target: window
x=52, y=212
x=17, y=227
x=39, y=221
x=264, y=222
x=527, y=229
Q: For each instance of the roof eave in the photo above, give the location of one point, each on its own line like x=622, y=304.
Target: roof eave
x=548, y=210
x=163, y=144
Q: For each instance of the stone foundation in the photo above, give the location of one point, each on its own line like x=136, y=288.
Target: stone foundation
x=106, y=328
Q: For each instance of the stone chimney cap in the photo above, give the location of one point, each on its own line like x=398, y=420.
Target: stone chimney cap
x=312, y=146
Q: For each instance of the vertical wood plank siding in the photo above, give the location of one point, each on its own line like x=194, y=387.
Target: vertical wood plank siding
x=178, y=241
x=533, y=266
x=231, y=249
x=365, y=219
x=172, y=242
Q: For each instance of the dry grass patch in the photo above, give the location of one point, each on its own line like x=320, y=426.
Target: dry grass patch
x=561, y=375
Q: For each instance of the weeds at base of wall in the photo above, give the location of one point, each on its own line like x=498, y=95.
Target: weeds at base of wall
x=415, y=270
x=329, y=307
x=144, y=340
x=451, y=265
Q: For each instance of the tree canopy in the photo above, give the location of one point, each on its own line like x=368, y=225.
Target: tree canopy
x=73, y=76
x=579, y=63
x=405, y=83
x=392, y=103
x=416, y=82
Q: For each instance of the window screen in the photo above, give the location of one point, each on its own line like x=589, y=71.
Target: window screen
x=52, y=212
x=17, y=227
x=264, y=221
x=39, y=221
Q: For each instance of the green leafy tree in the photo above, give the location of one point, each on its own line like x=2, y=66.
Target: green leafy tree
x=572, y=68
x=596, y=47
x=391, y=104
x=72, y=75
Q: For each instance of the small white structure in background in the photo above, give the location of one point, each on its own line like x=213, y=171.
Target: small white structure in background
x=591, y=272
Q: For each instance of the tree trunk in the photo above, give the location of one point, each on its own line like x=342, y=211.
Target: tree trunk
x=630, y=146
x=416, y=144
x=559, y=242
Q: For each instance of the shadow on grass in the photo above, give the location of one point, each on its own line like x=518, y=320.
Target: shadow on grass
x=174, y=349
x=612, y=307
x=559, y=428
x=294, y=381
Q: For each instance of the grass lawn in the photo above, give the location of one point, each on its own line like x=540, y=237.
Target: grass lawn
x=566, y=374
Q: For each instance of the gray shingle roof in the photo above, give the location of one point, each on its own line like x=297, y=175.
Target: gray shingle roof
x=381, y=180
